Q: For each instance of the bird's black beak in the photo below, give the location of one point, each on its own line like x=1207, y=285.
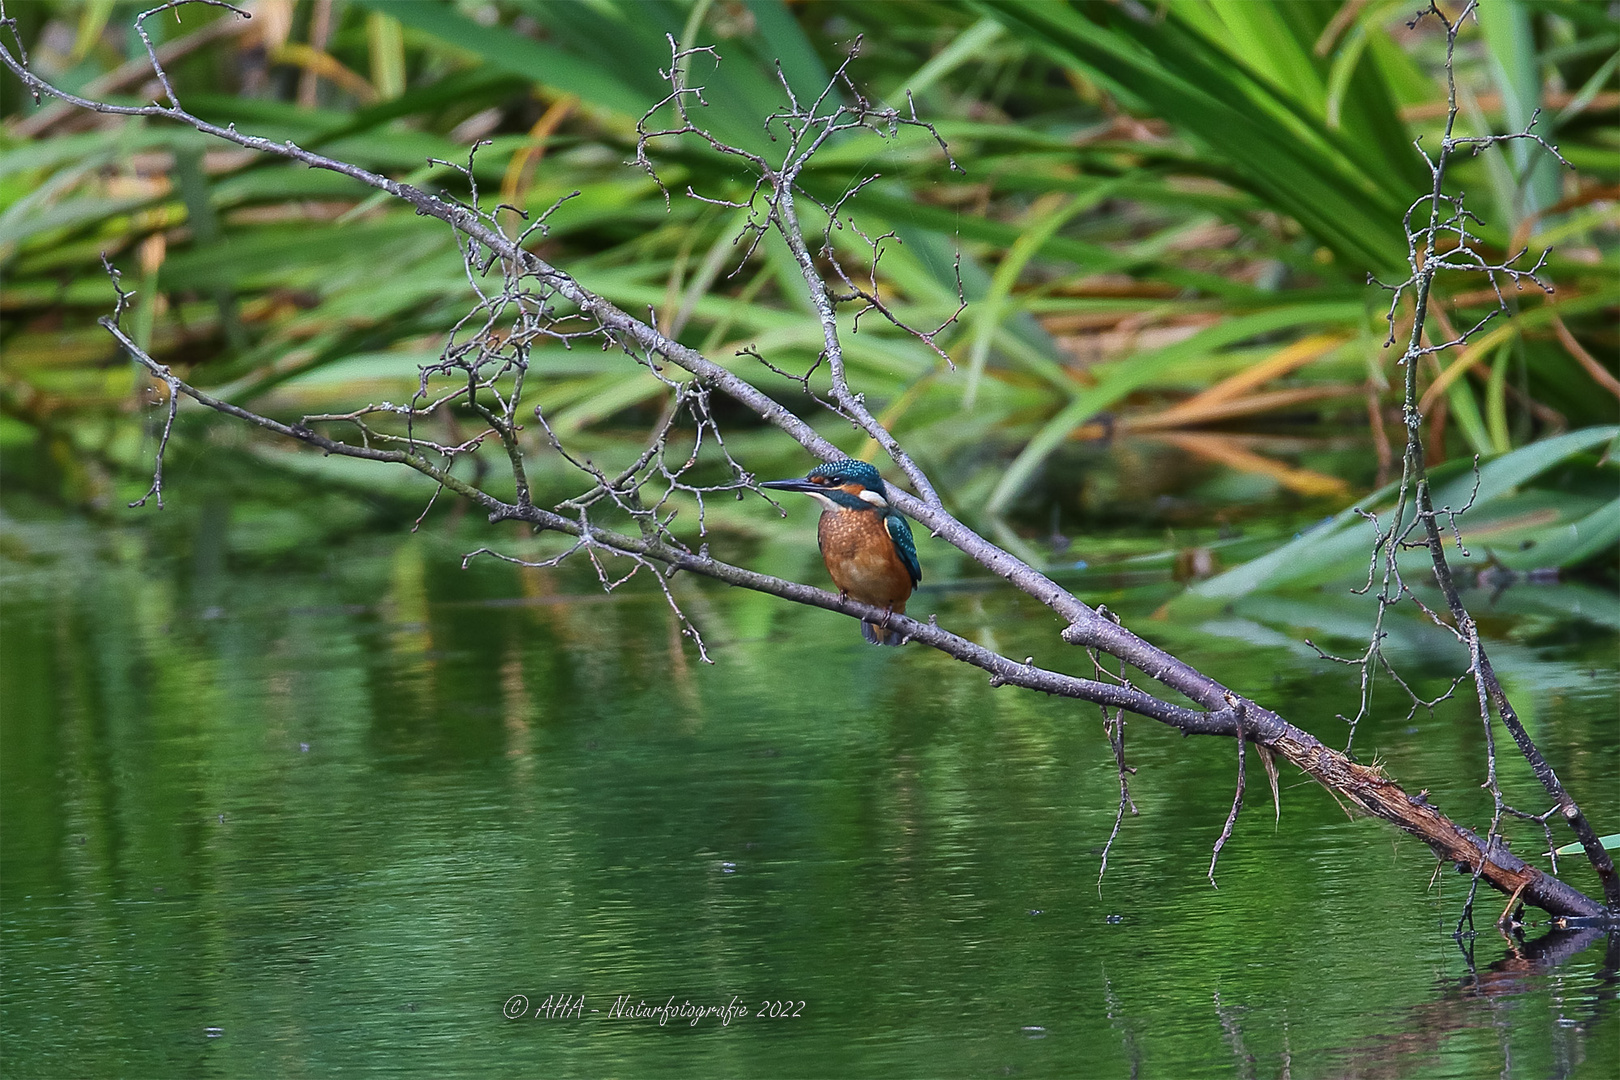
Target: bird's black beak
x=792, y=485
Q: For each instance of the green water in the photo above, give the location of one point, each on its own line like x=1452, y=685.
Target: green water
x=302, y=817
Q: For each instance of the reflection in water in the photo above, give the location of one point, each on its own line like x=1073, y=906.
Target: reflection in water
x=1487, y=1001
x=1231, y=1018
x=337, y=823
x=1116, y=1020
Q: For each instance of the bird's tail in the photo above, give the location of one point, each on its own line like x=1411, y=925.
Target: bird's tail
x=877, y=635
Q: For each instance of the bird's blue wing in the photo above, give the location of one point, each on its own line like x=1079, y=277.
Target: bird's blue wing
x=904, y=545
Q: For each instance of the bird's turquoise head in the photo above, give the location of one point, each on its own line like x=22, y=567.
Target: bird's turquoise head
x=847, y=484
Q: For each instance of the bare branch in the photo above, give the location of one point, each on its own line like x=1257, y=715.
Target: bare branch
x=1449, y=218
x=523, y=303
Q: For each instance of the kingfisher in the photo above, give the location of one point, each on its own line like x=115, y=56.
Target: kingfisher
x=866, y=545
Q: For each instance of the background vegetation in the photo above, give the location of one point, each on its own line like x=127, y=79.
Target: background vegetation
x=1165, y=227
x=273, y=800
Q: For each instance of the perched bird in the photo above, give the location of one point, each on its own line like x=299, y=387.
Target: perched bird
x=867, y=546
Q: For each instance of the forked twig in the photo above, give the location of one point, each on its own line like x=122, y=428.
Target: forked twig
x=1415, y=514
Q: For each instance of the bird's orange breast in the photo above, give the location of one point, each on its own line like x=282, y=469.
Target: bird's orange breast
x=860, y=556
